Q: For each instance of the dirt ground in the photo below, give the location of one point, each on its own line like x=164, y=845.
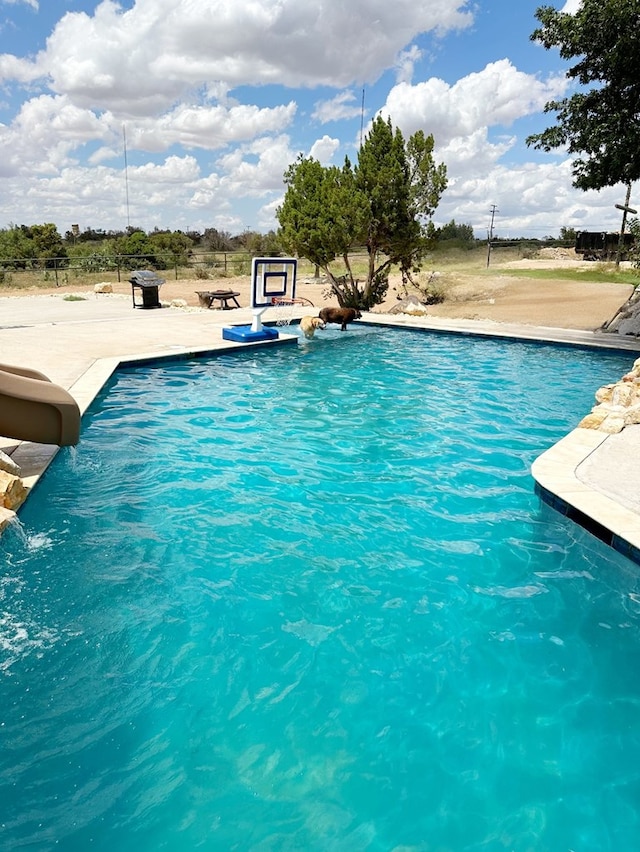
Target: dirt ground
x=471, y=292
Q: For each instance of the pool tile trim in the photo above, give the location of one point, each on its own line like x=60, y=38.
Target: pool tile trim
x=556, y=476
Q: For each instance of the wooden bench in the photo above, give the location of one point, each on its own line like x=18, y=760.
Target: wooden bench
x=207, y=298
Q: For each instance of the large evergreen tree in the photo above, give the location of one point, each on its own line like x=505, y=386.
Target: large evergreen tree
x=601, y=122
x=382, y=203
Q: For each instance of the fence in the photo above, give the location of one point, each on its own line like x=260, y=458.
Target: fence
x=21, y=272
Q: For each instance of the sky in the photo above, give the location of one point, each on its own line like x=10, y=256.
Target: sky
x=185, y=114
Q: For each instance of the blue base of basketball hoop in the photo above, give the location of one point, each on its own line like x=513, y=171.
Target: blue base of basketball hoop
x=245, y=334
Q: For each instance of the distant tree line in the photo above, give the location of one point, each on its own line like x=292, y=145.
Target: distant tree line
x=42, y=246
x=94, y=250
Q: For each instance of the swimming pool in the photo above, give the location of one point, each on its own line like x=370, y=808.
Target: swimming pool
x=308, y=599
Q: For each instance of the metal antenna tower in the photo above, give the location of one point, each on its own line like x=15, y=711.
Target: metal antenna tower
x=126, y=174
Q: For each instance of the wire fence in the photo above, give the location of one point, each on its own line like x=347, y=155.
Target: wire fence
x=88, y=269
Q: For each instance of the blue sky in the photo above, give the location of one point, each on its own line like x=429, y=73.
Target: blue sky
x=213, y=99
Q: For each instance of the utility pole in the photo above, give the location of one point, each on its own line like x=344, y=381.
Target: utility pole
x=494, y=210
x=625, y=209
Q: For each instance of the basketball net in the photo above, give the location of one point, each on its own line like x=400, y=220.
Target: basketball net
x=284, y=309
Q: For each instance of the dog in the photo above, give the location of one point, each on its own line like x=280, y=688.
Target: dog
x=341, y=316
x=310, y=324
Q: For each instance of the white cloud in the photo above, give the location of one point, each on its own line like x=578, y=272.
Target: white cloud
x=48, y=130
x=174, y=191
x=571, y=7
x=256, y=169
x=530, y=199
x=19, y=70
x=324, y=149
x=45, y=133
x=164, y=69
x=267, y=214
x=344, y=105
x=142, y=59
x=405, y=63
x=32, y=3
x=473, y=153
x=497, y=95
x=210, y=127
x=469, y=121
x=174, y=170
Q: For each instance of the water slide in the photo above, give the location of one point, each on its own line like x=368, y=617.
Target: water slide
x=33, y=408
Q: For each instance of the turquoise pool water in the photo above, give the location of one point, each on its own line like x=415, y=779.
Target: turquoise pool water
x=307, y=599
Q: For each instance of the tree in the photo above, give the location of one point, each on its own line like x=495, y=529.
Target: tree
x=214, y=240
x=48, y=245
x=260, y=245
x=136, y=250
x=173, y=246
x=89, y=235
x=16, y=247
x=462, y=234
x=270, y=245
x=39, y=245
x=322, y=217
x=383, y=203
x=601, y=122
x=568, y=235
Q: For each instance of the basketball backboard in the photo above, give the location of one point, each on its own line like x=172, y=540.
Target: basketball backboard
x=272, y=278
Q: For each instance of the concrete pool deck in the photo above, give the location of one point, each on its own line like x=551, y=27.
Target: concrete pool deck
x=588, y=475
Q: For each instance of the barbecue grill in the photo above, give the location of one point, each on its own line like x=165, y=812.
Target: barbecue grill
x=148, y=283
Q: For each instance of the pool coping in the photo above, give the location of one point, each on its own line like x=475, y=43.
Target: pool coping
x=555, y=471
x=557, y=476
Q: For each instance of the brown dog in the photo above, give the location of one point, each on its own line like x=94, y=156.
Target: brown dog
x=309, y=326
x=341, y=316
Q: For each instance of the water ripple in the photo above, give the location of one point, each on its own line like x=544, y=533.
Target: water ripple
x=307, y=600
